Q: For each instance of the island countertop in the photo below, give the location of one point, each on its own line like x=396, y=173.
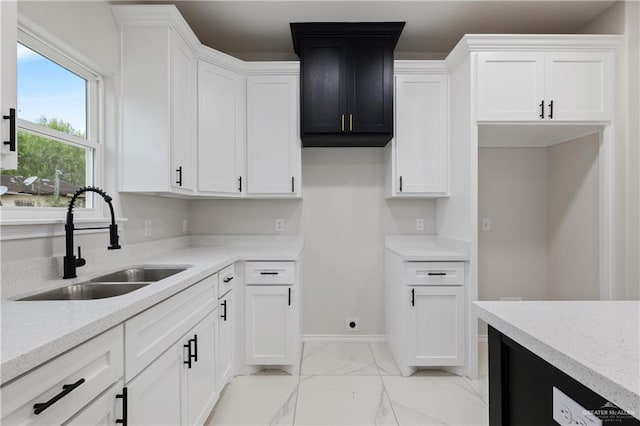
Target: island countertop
x=595, y=342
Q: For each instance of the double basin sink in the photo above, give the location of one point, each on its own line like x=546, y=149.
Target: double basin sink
x=109, y=285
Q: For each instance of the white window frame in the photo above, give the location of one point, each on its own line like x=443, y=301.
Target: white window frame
x=64, y=57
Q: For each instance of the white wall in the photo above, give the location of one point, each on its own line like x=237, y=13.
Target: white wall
x=88, y=31
x=343, y=217
x=573, y=220
x=512, y=193
x=624, y=18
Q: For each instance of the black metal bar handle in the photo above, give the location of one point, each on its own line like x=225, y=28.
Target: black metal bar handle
x=551, y=109
x=240, y=184
x=224, y=315
x=179, y=172
x=293, y=185
x=289, y=296
x=124, y=421
x=195, y=347
x=541, y=109
x=66, y=389
x=226, y=280
x=437, y=274
x=12, y=129
x=413, y=297
x=268, y=273
x=400, y=183
x=189, y=355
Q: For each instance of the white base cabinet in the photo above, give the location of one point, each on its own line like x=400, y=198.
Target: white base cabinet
x=105, y=410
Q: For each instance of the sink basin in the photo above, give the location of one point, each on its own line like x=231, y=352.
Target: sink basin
x=86, y=291
x=140, y=274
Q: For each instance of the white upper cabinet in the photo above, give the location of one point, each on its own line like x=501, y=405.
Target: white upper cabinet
x=545, y=86
x=273, y=139
x=420, y=149
x=220, y=130
x=8, y=84
x=157, y=101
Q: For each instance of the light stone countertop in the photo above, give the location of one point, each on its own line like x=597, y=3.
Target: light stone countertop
x=33, y=332
x=595, y=342
x=427, y=248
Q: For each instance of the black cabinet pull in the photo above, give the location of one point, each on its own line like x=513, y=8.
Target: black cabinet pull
x=189, y=354
x=179, y=173
x=437, y=274
x=224, y=315
x=125, y=408
x=12, y=129
x=226, y=280
x=240, y=184
x=66, y=389
x=293, y=186
x=268, y=273
x=289, y=296
x=413, y=297
x=195, y=347
x=400, y=183
x=541, y=109
x=551, y=109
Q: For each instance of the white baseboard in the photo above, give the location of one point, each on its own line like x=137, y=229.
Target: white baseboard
x=483, y=338
x=344, y=338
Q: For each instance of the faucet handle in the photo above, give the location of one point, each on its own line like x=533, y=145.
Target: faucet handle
x=80, y=261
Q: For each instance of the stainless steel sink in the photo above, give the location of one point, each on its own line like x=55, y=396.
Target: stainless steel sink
x=86, y=291
x=140, y=274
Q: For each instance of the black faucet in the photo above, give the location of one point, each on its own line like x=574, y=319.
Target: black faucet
x=70, y=261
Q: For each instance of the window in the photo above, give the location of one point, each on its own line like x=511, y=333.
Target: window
x=57, y=126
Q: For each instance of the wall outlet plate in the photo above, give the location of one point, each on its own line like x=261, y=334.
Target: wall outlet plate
x=147, y=228
x=279, y=225
x=486, y=224
x=419, y=224
x=352, y=324
x=185, y=226
x=568, y=412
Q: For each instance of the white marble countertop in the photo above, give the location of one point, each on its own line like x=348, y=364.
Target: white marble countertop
x=425, y=248
x=595, y=342
x=35, y=331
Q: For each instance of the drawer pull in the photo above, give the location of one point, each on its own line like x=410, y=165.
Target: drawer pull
x=66, y=389
x=125, y=417
x=224, y=315
x=437, y=274
x=268, y=273
x=226, y=280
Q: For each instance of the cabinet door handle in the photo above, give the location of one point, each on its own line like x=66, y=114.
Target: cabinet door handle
x=189, y=355
x=541, y=109
x=240, y=184
x=124, y=421
x=12, y=129
x=293, y=184
x=226, y=280
x=289, y=296
x=413, y=297
x=351, y=122
x=342, y=119
x=195, y=347
x=551, y=109
x=66, y=389
x=400, y=183
x=179, y=173
x=437, y=274
x=224, y=315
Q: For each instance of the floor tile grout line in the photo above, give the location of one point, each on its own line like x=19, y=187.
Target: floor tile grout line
x=295, y=408
x=384, y=388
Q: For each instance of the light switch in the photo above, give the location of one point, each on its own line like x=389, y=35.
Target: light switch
x=419, y=224
x=486, y=224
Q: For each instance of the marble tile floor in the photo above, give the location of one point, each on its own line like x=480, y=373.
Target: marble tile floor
x=353, y=384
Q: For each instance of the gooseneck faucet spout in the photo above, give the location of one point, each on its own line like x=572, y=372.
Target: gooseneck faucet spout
x=70, y=260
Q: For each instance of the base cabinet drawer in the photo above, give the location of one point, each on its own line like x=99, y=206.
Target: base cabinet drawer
x=269, y=273
x=435, y=273
x=150, y=333
x=66, y=384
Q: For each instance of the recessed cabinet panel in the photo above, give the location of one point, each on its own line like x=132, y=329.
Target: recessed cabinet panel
x=273, y=144
x=220, y=129
x=421, y=141
x=436, y=326
x=510, y=86
x=580, y=86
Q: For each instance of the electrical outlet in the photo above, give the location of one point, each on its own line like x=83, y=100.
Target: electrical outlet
x=147, y=228
x=568, y=412
x=419, y=224
x=486, y=224
x=279, y=225
x=185, y=226
x=352, y=324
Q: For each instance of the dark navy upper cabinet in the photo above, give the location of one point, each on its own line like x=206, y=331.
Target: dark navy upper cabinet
x=346, y=82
